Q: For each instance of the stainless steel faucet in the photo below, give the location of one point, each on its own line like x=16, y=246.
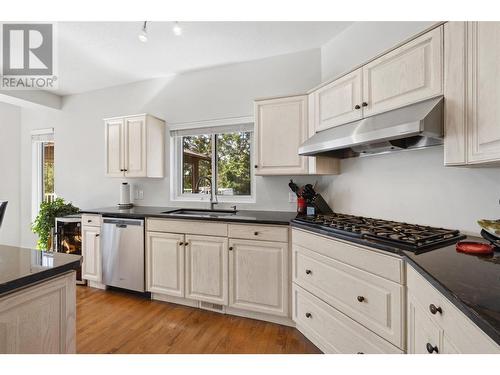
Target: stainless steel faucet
x=209, y=180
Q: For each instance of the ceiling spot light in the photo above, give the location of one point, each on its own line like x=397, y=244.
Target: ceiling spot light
x=143, y=35
x=177, y=29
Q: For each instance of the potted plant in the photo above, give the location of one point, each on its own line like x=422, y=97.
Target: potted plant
x=45, y=221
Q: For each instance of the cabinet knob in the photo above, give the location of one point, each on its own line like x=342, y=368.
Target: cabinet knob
x=364, y=104
x=230, y=248
x=122, y=170
x=256, y=166
x=361, y=353
x=125, y=170
x=361, y=298
x=431, y=349
x=434, y=310
x=308, y=315
x=97, y=234
x=89, y=221
x=255, y=233
x=181, y=243
x=357, y=106
x=308, y=272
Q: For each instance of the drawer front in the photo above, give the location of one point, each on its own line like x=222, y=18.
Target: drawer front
x=384, y=265
x=259, y=232
x=332, y=331
x=458, y=328
x=187, y=227
x=370, y=300
x=91, y=220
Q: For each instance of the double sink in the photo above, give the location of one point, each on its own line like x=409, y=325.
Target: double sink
x=201, y=213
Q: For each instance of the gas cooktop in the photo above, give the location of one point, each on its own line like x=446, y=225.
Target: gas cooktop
x=412, y=237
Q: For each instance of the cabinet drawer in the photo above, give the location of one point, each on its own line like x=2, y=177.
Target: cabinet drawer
x=367, y=259
x=91, y=220
x=370, y=300
x=458, y=328
x=259, y=232
x=332, y=331
x=187, y=227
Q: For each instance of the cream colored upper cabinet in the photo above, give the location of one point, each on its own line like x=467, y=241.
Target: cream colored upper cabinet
x=472, y=78
x=165, y=263
x=408, y=74
x=135, y=146
x=258, y=276
x=338, y=102
x=207, y=268
x=281, y=126
x=91, y=251
x=483, y=92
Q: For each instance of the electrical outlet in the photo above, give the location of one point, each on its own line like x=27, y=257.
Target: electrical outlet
x=292, y=197
x=139, y=194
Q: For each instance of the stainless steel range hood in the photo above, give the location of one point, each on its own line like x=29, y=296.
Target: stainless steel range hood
x=415, y=126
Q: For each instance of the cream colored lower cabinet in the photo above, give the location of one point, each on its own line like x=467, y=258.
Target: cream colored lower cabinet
x=436, y=326
x=165, y=263
x=91, y=252
x=40, y=319
x=207, y=268
x=258, y=276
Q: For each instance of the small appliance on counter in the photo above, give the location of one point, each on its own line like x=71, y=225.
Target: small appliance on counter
x=68, y=238
x=309, y=202
x=490, y=231
x=125, y=196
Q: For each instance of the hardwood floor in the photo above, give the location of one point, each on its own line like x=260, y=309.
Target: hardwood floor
x=117, y=322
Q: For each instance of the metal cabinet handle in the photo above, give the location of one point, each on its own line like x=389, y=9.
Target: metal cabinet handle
x=357, y=106
x=364, y=104
x=181, y=243
x=431, y=349
x=308, y=272
x=434, y=310
x=361, y=298
x=308, y=315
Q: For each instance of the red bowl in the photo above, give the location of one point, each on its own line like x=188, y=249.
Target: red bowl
x=474, y=248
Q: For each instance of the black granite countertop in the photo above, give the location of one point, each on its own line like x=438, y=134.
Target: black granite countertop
x=243, y=216
x=21, y=267
x=470, y=282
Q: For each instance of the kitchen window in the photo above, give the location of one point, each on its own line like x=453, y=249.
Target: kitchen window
x=215, y=158
x=42, y=168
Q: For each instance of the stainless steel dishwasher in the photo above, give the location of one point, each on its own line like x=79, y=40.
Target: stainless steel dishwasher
x=123, y=253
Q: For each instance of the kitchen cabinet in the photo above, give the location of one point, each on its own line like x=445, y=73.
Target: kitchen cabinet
x=91, y=251
x=472, y=78
x=338, y=102
x=281, y=126
x=135, y=146
x=165, y=263
x=437, y=326
x=408, y=74
x=207, y=268
x=258, y=276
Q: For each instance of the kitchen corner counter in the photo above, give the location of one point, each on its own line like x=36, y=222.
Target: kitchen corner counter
x=470, y=282
x=20, y=267
x=241, y=216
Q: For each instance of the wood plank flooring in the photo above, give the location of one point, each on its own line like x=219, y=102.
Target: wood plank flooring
x=118, y=322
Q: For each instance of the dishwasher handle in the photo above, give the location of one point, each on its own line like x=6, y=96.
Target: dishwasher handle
x=120, y=223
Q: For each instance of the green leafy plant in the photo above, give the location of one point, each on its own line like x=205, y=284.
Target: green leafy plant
x=45, y=220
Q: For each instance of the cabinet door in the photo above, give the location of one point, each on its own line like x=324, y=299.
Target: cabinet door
x=91, y=250
x=424, y=336
x=408, y=74
x=258, y=276
x=114, y=147
x=165, y=263
x=206, y=268
x=280, y=128
x=455, y=70
x=484, y=94
x=135, y=146
x=338, y=102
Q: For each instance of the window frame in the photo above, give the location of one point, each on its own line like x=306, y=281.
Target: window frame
x=37, y=177
x=176, y=186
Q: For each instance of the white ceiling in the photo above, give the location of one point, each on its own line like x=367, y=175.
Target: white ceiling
x=93, y=55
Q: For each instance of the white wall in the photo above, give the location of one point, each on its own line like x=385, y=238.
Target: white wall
x=10, y=130
x=221, y=92
x=362, y=41
x=407, y=186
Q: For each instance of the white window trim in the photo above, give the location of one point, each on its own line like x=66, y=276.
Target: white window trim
x=37, y=170
x=176, y=193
